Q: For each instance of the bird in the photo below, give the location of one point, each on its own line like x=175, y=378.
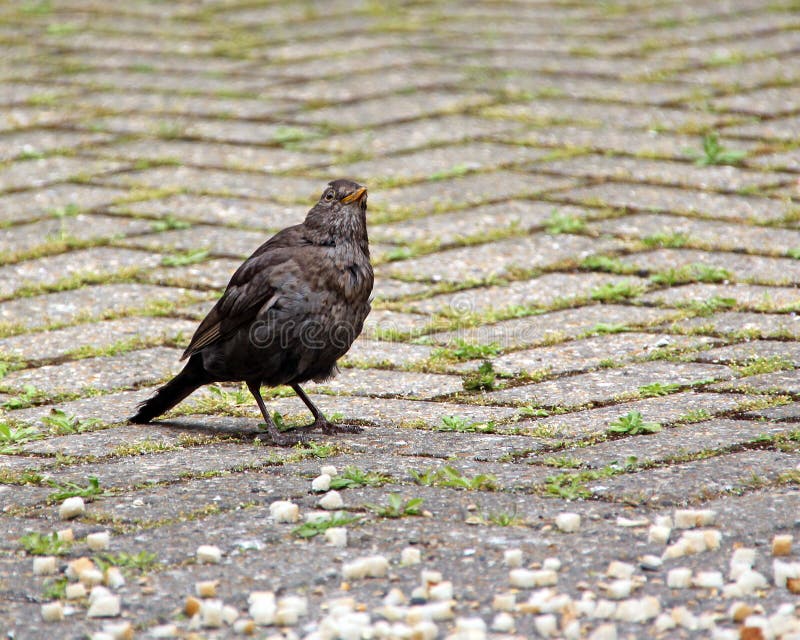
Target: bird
x=289, y=312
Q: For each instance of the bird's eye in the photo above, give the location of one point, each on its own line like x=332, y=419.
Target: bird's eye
x=328, y=196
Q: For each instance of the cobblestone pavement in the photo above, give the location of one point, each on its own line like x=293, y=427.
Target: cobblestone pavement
x=585, y=220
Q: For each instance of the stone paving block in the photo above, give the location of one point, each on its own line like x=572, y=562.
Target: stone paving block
x=464, y=191
x=787, y=128
x=404, y=136
x=107, y=442
x=153, y=62
x=382, y=383
x=378, y=111
x=225, y=183
x=343, y=65
x=335, y=45
x=19, y=118
x=362, y=86
x=28, y=206
x=215, y=155
x=775, y=382
x=719, y=27
x=741, y=353
x=25, y=238
x=626, y=169
x=746, y=74
x=496, y=259
x=716, y=235
x=670, y=199
x=751, y=325
x=175, y=502
x=95, y=262
x=167, y=81
x=105, y=373
x=447, y=446
x=590, y=352
x=218, y=210
x=770, y=101
x=41, y=141
x=786, y=160
x=789, y=412
x=451, y=228
x=38, y=312
x=391, y=289
x=171, y=103
x=36, y=173
x=58, y=343
x=207, y=274
x=165, y=466
x=154, y=43
x=685, y=440
x=667, y=409
x=218, y=241
x=381, y=321
x=593, y=88
x=377, y=353
x=20, y=463
x=108, y=408
x=692, y=482
x=743, y=268
x=607, y=385
x=770, y=44
x=744, y=295
x=442, y=161
x=615, y=140
x=178, y=126
x=543, y=291
x=553, y=326
x=16, y=92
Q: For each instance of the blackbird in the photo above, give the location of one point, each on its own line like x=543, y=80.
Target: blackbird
x=290, y=311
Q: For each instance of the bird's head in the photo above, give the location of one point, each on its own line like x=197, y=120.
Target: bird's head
x=343, y=194
x=341, y=211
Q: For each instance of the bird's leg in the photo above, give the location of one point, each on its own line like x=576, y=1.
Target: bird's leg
x=280, y=439
x=320, y=421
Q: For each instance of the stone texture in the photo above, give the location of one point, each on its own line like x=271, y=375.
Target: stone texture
x=590, y=352
x=554, y=326
x=608, y=385
x=89, y=263
x=46, y=201
x=66, y=307
x=105, y=373
x=671, y=199
x=498, y=258
x=710, y=234
x=475, y=125
x=675, y=442
x=544, y=291
x=45, y=171
x=81, y=228
x=107, y=334
x=749, y=325
x=743, y=268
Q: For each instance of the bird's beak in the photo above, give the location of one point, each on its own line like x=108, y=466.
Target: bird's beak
x=356, y=195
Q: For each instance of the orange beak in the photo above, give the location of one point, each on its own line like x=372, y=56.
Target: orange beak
x=356, y=195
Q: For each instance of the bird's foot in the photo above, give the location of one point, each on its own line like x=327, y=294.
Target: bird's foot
x=329, y=428
x=285, y=439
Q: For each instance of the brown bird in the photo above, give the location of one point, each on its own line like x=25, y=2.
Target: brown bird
x=290, y=311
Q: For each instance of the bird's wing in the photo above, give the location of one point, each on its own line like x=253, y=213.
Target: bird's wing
x=248, y=290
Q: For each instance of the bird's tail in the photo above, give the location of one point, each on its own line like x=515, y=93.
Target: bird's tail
x=192, y=377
